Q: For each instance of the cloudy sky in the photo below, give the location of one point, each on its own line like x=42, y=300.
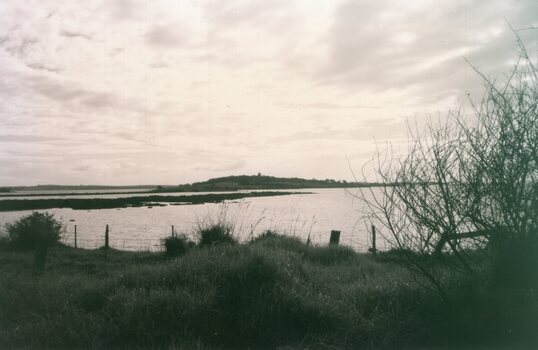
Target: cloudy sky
x=175, y=91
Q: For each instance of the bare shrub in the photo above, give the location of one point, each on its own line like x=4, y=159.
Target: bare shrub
x=466, y=193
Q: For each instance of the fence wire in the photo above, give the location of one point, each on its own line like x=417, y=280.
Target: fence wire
x=117, y=239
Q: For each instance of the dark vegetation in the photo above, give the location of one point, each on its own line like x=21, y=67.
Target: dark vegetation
x=269, y=292
x=465, y=218
x=108, y=203
x=37, y=232
x=33, y=229
x=469, y=190
x=216, y=234
x=257, y=182
x=177, y=245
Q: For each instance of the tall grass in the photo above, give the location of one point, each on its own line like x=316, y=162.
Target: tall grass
x=243, y=222
x=177, y=245
x=230, y=223
x=273, y=291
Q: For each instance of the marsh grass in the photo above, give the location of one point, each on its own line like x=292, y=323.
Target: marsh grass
x=230, y=224
x=216, y=234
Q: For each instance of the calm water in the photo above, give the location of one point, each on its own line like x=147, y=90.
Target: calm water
x=143, y=228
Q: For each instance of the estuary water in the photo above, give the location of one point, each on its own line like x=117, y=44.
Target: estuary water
x=143, y=228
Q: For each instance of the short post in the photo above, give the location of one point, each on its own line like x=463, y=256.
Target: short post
x=106, y=237
x=173, y=232
x=335, y=237
x=373, y=250
x=75, y=236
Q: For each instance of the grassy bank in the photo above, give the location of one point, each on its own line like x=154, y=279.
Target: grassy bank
x=273, y=291
x=110, y=203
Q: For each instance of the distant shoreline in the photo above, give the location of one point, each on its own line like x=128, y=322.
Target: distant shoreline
x=165, y=190
x=231, y=184
x=19, y=194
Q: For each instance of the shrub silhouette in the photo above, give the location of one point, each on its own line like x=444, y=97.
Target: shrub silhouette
x=32, y=229
x=266, y=235
x=465, y=195
x=177, y=245
x=216, y=234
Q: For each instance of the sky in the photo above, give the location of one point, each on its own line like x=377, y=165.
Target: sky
x=175, y=91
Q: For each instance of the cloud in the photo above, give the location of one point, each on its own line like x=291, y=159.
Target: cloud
x=328, y=106
x=73, y=34
x=57, y=91
x=116, y=51
x=159, y=63
x=99, y=100
x=124, y=9
x=285, y=86
x=382, y=45
x=234, y=13
x=68, y=92
x=166, y=36
x=221, y=166
x=26, y=138
x=43, y=67
x=365, y=129
x=20, y=48
x=82, y=168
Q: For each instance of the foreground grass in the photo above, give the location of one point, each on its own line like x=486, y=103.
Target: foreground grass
x=272, y=292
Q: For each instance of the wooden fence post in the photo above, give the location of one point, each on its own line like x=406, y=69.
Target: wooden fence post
x=335, y=237
x=373, y=250
x=75, y=236
x=106, y=237
x=173, y=232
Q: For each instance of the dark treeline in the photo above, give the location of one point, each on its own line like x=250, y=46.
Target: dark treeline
x=109, y=203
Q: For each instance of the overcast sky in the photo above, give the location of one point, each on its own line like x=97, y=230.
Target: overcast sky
x=170, y=91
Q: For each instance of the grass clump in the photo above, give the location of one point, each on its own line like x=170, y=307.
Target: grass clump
x=328, y=255
x=266, y=235
x=177, y=245
x=216, y=234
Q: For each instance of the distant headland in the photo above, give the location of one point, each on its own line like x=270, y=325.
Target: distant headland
x=259, y=182
x=226, y=183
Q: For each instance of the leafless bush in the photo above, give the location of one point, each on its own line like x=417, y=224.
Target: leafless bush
x=468, y=187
